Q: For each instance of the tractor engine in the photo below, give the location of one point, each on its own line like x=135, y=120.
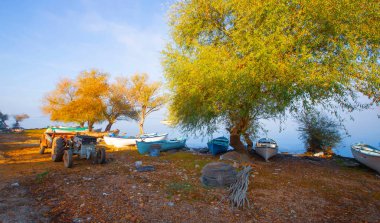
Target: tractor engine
x=85, y=145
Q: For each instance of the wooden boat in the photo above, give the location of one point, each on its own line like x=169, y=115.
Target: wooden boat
x=266, y=148
x=111, y=139
x=218, y=145
x=121, y=141
x=144, y=147
x=367, y=155
x=65, y=129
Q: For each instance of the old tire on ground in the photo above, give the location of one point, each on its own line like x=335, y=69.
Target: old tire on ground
x=42, y=148
x=68, y=158
x=100, y=156
x=57, y=149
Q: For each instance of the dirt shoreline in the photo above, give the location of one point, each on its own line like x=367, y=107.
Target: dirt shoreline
x=287, y=189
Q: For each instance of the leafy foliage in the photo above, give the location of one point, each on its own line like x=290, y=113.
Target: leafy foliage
x=235, y=62
x=19, y=118
x=118, y=103
x=78, y=101
x=145, y=96
x=3, y=118
x=91, y=98
x=318, y=131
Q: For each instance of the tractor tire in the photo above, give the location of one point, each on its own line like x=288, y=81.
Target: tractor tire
x=42, y=148
x=57, y=149
x=68, y=158
x=100, y=156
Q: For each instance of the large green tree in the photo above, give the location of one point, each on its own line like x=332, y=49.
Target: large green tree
x=234, y=62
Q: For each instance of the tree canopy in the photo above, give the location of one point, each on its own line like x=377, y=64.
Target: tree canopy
x=145, y=96
x=92, y=98
x=118, y=103
x=237, y=61
x=19, y=118
x=80, y=100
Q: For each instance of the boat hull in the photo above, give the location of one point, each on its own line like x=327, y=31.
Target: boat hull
x=122, y=142
x=266, y=152
x=144, y=147
x=218, y=145
x=371, y=161
x=65, y=130
x=109, y=140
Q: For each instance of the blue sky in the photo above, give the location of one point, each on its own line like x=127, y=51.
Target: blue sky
x=43, y=41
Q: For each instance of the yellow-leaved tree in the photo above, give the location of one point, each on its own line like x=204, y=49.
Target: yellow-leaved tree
x=145, y=96
x=78, y=101
x=117, y=103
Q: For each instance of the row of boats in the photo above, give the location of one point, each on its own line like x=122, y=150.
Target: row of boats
x=265, y=147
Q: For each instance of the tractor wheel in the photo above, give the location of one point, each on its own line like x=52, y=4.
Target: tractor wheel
x=100, y=156
x=68, y=158
x=42, y=148
x=57, y=149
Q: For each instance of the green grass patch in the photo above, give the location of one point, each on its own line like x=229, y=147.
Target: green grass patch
x=41, y=176
x=188, y=161
x=178, y=187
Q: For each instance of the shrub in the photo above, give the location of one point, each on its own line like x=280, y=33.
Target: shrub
x=318, y=131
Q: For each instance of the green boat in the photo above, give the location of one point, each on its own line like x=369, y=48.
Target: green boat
x=144, y=147
x=64, y=129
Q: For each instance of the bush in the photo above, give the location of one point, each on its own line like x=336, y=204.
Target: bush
x=318, y=131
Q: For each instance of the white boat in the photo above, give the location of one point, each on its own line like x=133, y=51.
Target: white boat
x=367, y=155
x=121, y=141
x=266, y=148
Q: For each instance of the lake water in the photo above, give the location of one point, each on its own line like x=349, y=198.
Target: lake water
x=365, y=128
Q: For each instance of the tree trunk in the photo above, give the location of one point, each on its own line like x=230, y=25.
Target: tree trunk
x=248, y=141
x=81, y=124
x=90, y=125
x=108, y=127
x=141, y=126
x=142, y=120
x=235, y=141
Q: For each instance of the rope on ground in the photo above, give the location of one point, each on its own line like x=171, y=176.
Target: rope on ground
x=238, y=190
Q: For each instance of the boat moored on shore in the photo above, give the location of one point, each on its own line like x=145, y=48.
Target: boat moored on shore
x=266, y=148
x=367, y=155
x=121, y=141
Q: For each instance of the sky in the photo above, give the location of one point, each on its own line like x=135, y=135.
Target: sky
x=44, y=41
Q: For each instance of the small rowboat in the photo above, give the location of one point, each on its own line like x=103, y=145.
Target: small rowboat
x=218, y=145
x=367, y=155
x=144, y=147
x=121, y=141
x=266, y=148
x=65, y=129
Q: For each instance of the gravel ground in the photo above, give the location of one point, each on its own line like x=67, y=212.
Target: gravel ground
x=286, y=189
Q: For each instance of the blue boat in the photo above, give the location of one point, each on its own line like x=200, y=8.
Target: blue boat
x=218, y=145
x=144, y=147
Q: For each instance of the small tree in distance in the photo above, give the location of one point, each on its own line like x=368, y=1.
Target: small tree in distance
x=3, y=118
x=318, y=131
x=19, y=118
